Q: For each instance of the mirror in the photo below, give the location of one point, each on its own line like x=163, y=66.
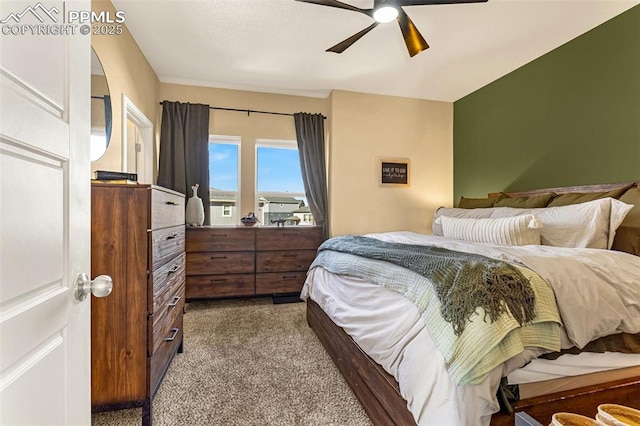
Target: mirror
x=101, y=118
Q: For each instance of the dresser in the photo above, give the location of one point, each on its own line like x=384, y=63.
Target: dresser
x=138, y=238
x=234, y=261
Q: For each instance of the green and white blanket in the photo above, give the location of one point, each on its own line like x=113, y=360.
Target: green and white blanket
x=479, y=311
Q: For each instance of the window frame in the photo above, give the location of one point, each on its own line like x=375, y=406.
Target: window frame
x=231, y=140
x=273, y=143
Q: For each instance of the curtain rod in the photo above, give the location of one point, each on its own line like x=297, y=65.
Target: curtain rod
x=249, y=111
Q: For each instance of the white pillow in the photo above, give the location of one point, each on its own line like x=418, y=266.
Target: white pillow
x=510, y=231
x=436, y=226
x=585, y=225
x=619, y=211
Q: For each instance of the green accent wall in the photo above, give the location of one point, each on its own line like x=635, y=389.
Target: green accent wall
x=570, y=117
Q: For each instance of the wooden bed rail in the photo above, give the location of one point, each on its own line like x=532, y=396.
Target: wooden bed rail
x=379, y=393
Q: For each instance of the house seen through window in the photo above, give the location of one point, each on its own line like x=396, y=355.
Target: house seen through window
x=280, y=191
x=224, y=179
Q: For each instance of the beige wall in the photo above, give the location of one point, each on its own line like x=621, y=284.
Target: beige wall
x=249, y=128
x=361, y=128
x=127, y=72
x=366, y=127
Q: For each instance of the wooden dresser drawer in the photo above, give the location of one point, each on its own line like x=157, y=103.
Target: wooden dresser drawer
x=167, y=208
x=164, y=317
x=284, y=238
x=235, y=262
x=165, y=279
x=220, y=239
x=280, y=282
x=284, y=260
x=167, y=301
x=166, y=244
x=207, y=286
x=159, y=361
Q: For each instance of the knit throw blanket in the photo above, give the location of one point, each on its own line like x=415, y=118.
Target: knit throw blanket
x=463, y=282
x=479, y=311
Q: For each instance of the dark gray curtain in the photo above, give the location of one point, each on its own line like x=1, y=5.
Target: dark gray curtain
x=184, y=150
x=107, y=116
x=310, y=136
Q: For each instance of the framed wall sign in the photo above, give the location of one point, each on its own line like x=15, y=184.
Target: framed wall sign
x=393, y=172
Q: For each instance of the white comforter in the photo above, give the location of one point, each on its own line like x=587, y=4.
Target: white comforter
x=598, y=293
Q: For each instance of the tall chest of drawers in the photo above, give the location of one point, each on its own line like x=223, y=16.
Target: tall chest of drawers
x=138, y=238
x=242, y=261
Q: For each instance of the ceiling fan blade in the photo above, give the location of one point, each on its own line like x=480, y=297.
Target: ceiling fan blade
x=412, y=37
x=339, y=5
x=343, y=45
x=426, y=2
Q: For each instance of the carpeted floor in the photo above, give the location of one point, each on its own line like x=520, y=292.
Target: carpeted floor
x=249, y=362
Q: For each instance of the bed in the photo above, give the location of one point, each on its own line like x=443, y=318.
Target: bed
x=341, y=309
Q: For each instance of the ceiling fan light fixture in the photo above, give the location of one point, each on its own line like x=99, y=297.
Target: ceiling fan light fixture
x=385, y=14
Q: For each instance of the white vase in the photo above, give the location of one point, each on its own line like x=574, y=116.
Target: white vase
x=194, y=215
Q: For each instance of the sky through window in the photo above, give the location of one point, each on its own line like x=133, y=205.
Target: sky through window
x=279, y=170
x=223, y=166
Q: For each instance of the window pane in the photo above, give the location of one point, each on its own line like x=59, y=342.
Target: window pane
x=223, y=182
x=280, y=188
x=279, y=170
x=223, y=166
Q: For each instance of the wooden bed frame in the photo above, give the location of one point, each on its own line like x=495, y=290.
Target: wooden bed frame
x=379, y=393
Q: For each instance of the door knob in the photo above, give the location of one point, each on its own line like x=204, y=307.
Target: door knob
x=100, y=287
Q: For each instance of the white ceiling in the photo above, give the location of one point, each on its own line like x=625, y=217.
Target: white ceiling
x=279, y=46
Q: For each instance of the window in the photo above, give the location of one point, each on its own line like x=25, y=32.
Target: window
x=224, y=179
x=279, y=187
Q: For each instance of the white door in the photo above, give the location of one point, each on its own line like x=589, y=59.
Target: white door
x=44, y=217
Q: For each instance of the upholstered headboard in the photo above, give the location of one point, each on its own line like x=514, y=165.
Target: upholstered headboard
x=627, y=237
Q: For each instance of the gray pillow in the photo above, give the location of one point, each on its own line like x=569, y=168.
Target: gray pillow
x=535, y=201
x=475, y=203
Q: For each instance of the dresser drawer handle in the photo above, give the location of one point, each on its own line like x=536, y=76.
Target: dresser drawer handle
x=174, y=269
x=219, y=280
x=175, y=302
x=289, y=234
x=172, y=338
x=218, y=257
x=171, y=203
x=218, y=235
x=172, y=236
x=290, y=255
x=289, y=277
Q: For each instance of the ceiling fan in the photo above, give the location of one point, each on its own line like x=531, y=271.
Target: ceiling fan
x=384, y=11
